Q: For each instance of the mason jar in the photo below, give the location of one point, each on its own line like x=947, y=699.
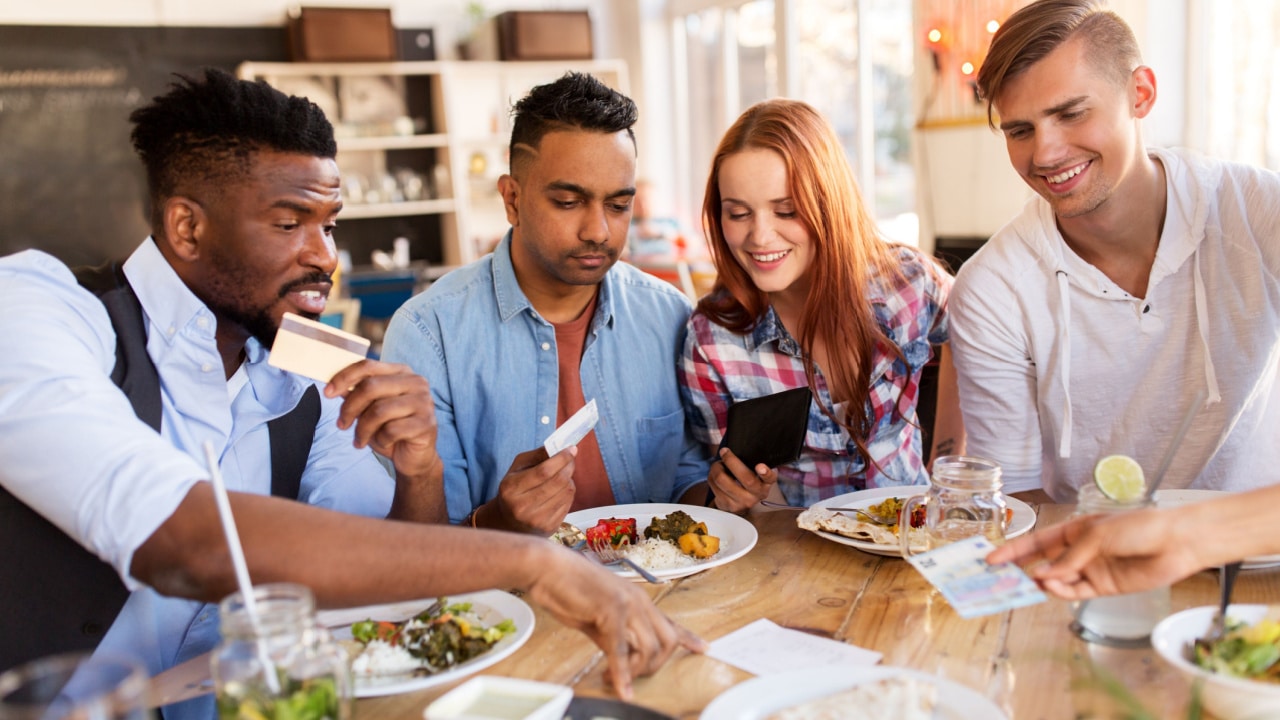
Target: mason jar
x=963, y=499
x=1117, y=620
x=278, y=663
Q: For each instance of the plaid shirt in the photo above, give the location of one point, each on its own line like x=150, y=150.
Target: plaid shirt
x=719, y=367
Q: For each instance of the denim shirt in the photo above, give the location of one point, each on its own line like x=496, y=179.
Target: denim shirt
x=491, y=361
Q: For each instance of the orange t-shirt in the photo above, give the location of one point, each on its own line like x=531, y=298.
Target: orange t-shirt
x=589, y=476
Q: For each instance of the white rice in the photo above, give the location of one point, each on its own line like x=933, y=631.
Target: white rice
x=657, y=554
x=382, y=658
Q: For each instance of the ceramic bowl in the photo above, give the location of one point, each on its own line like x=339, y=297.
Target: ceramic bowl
x=1229, y=698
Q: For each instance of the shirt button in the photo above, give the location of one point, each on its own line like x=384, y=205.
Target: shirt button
x=546, y=346
x=202, y=322
x=206, y=367
x=546, y=420
x=172, y=330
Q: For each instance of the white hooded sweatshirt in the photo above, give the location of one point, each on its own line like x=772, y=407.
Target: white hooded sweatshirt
x=1059, y=367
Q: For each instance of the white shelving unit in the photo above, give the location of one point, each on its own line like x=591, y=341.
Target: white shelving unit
x=445, y=123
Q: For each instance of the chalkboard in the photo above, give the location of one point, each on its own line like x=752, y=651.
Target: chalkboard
x=70, y=183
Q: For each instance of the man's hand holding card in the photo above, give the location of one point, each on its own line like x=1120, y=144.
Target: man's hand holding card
x=538, y=490
x=389, y=406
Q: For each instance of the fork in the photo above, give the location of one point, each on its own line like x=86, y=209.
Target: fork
x=608, y=555
x=1219, y=625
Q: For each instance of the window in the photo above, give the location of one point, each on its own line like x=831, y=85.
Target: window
x=1241, y=81
x=858, y=74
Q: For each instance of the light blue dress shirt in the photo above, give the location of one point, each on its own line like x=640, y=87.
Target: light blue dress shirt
x=72, y=448
x=494, y=373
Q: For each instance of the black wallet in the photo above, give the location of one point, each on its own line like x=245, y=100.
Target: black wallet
x=768, y=429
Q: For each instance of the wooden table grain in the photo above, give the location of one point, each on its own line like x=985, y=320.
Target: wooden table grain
x=1027, y=661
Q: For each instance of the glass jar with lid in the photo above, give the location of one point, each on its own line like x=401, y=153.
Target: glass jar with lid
x=279, y=663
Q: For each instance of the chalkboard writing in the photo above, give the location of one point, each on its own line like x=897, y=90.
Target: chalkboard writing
x=70, y=183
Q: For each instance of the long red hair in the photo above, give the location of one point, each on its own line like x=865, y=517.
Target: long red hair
x=847, y=253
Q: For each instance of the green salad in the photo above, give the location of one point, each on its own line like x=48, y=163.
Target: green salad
x=311, y=699
x=434, y=640
x=1246, y=651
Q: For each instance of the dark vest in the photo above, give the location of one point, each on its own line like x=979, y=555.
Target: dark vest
x=55, y=596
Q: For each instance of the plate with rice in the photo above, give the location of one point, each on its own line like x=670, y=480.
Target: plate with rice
x=378, y=670
x=663, y=559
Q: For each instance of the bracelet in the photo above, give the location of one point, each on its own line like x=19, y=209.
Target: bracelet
x=471, y=519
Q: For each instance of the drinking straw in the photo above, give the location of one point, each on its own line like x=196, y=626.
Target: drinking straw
x=1178, y=437
x=237, y=561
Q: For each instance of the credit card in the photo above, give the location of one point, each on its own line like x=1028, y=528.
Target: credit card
x=973, y=587
x=573, y=429
x=313, y=349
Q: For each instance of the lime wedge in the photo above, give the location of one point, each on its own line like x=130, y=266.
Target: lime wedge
x=1119, y=477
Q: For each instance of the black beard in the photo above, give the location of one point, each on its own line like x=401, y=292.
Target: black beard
x=258, y=322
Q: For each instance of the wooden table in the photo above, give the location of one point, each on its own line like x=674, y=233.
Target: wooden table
x=1026, y=660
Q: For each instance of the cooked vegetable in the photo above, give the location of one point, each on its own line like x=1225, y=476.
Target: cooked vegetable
x=671, y=527
x=684, y=532
x=616, y=531
x=1247, y=651
x=699, y=545
x=440, y=637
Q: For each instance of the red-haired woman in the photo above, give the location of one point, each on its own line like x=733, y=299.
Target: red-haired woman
x=808, y=293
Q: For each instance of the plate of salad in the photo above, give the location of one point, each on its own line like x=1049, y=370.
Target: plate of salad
x=408, y=646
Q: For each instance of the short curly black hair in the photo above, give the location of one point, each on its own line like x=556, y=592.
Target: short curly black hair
x=575, y=101
x=206, y=130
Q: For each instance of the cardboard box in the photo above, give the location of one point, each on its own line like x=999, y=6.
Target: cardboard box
x=325, y=34
x=545, y=35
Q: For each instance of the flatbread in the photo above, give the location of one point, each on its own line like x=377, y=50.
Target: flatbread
x=817, y=518
x=893, y=698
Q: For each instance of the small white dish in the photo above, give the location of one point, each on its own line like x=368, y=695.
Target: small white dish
x=1230, y=698
x=492, y=697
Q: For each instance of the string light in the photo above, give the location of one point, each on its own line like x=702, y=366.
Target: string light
x=966, y=68
x=993, y=26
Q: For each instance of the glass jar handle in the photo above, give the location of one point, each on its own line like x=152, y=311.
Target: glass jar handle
x=904, y=523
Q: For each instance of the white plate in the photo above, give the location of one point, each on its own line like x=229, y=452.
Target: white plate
x=1024, y=518
x=737, y=536
x=492, y=607
x=758, y=697
x=1174, y=498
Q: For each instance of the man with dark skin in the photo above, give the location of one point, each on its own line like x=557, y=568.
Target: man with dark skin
x=245, y=194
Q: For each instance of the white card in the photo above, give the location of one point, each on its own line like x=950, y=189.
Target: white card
x=764, y=648
x=974, y=588
x=313, y=349
x=573, y=429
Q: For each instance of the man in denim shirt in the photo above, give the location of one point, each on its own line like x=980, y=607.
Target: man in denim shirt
x=515, y=343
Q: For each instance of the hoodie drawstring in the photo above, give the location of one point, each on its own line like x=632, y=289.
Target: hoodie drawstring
x=1064, y=374
x=1202, y=320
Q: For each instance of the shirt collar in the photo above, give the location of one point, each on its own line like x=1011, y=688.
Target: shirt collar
x=512, y=300
x=175, y=311
x=169, y=304
x=770, y=329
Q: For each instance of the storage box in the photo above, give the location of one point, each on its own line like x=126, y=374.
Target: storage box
x=545, y=35
x=325, y=34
